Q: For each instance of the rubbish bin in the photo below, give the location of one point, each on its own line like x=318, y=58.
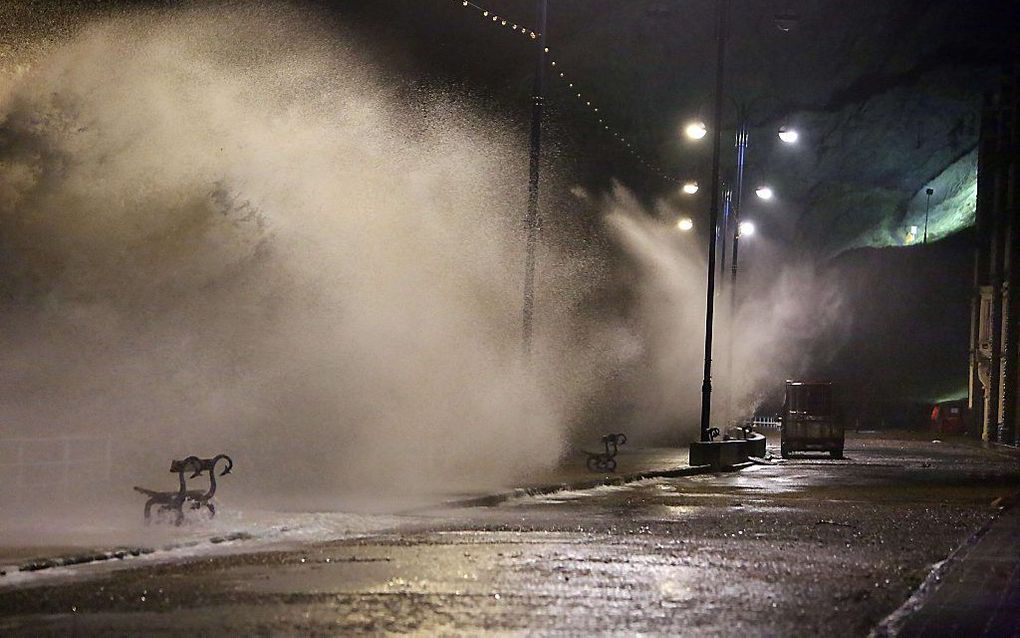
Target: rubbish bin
x=810, y=422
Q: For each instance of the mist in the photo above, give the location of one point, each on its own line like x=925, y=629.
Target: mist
x=789, y=318
x=222, y=230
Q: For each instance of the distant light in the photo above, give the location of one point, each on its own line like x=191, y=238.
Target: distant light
x=745, y=229
x=685, y=224
x=696, y=130
x=764, y=192
x=785, y=22
x=690, y=188
x=789, y=135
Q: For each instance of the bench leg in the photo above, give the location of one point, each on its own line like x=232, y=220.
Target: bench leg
x=212, y=509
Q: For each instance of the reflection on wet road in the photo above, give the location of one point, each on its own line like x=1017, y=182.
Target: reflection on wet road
x=800, y=547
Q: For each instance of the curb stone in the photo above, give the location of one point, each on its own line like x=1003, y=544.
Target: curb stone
x=117, y=554
x=891, y=624
x=491, y=500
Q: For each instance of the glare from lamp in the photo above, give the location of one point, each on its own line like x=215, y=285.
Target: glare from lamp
x=764, y=192
x=788, y=135
x=696, y=130
x=685, y=224
x=745, y=229
x=690, y=187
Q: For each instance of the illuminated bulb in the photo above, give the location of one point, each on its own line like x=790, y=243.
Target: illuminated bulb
x=547, y=49
x=696, y=130
x=533, y=35
x=485, y=13
x=503, y=23
x=788, y=135
x=690, y=187
x=745, y=229
x=494, y=18
x=685, y=224
x=465, y=3
x=764, y=192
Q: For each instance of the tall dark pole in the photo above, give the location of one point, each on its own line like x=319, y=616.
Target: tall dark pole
x=741, y=143
x=727, y=213
x=928, y=192
x=531, y=223
x=706, y=384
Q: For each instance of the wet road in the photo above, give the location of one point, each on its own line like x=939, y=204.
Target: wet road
x=800, y=547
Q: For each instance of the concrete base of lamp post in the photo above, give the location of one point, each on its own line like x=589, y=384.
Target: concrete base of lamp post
x=727, y=453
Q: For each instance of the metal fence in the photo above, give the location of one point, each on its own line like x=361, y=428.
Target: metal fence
x=51, y=467
x=765, y=422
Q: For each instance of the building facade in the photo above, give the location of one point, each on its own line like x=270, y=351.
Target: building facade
x=995, y=311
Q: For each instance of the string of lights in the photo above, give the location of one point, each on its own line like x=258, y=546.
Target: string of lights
x=573, y=87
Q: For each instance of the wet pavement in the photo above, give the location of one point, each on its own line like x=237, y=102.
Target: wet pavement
x=800, y=547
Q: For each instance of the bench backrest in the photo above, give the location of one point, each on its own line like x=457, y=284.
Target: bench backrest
x=198, y=465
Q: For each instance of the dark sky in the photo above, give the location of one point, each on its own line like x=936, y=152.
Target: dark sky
x=650, y=62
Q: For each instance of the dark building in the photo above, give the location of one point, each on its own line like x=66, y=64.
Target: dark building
x=995, y=315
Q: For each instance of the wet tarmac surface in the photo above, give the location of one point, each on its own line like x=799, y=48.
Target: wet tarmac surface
x=797, y=548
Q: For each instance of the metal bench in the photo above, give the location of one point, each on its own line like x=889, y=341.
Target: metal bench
x=606, y=461
x=175, y=501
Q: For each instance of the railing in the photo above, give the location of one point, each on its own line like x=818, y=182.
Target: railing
x=765, y=422
x=55, y=464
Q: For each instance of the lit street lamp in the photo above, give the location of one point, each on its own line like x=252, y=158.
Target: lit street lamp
x=745, y=229
x=764, y=192
x=788, y=135
x=686, y=224
x=690, y=188
x=696, y=130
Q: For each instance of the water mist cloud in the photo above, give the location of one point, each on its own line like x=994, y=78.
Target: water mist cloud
x=220, y=231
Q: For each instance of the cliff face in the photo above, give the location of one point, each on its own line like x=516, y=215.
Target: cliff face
x=885, y=95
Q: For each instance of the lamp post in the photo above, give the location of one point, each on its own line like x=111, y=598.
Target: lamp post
x=531, y=223
x=696, y=130
x=713, y=221
x=927, y=206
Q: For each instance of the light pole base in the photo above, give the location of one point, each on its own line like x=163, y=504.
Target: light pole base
x=727, y=453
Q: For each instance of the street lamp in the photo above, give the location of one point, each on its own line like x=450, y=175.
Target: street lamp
x=745, y=229
x=690, y=187
x=686, y=224
x=929, y=192
x=531, y=223
x=788, y=135
x=764, y=192
x=696, y=130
